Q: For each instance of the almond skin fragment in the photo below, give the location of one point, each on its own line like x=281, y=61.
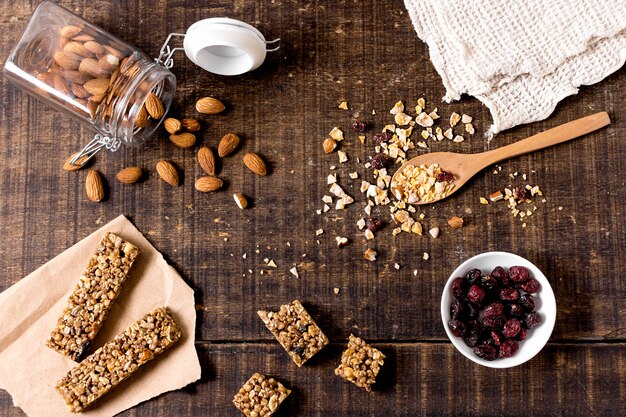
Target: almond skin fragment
x=94, y=186
x=255, y=163
x=154, y=106
x=172, y=125
x=227, y=145
x=129, y=175
x=190, y=124
x=208, y=184
x=167, y=172
x=206, y=159
x=209, y=105
x=183, y=140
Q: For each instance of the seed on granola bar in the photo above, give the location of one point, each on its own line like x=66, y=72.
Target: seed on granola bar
x=360, y=363
x=260, y=396
x=295, y=330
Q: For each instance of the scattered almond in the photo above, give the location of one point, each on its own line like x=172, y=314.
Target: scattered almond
x=154, y=106
x=183, y=140
x=172, y=125
x=209, y=105
x=227, y=145
x=167, y=172
x=456, y=222
x=94, y=186
x=208, y=184
x=129, y=175
x=240, y=200
x=67, y=166
x=142, y=118
x=329, y=145
x=191, y=125
x=206, y=159
x=255, y=163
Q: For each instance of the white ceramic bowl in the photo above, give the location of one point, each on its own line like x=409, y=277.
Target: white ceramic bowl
x=545, y=305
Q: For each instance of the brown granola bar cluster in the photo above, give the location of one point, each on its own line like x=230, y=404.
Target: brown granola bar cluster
x=118, y=359
x=360, y=363
x=91, y=301
x=260, y=396
x=295, y=330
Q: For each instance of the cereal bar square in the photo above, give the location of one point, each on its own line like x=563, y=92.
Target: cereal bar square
x=260, y=396
x=360, y=363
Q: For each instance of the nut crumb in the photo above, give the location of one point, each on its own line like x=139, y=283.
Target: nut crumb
x=294, y=272
x=483, y=200
x=342, y=157
x=456, y=222
x=341, y=241
x=370, y=255
x=343, y=105
x=425, y=256
x=396, y=265
x=434, y=232
x=336, y=134
x=319, y=232
x=336, y=290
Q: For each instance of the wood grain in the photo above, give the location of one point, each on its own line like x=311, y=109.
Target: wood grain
x=366, y=53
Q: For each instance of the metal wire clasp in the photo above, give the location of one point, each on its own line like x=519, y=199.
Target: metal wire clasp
x=92, y=148
x=166, y=52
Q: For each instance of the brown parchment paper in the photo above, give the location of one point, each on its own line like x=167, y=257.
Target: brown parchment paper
x=30, y=309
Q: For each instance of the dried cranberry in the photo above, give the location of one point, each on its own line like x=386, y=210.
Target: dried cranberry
x=459, y=287
x=521, y=194
x=519, y=273
x=500, y=274
x=509, y=294
x=522, y=334
x=532, y=319
x=473, y=276
x=374, y=224
x=382, y=137
x=472, y=337
x=456, y=327
x=471, y=311
x=476, y=294
x=493, y=310
x=445, y=176
x=508, y=348
x=456, y=309
x=488, y=282
x=381, y=161
x=511, y=328
x=515, y=310
x=494, y=323
x=358, y=126
x=497, y=338
x=488, y=353
x=531, y=286
x=527, y=302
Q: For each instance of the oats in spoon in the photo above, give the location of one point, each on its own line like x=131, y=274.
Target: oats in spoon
x=422, y=183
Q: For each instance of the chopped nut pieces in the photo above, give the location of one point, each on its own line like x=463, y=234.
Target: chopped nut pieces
x=92, y=299
x=295, y=330
x=342, y=157
x=118, y=359
x=497, y=196
x=329, y=145
x=455, y=222
x=240, y=200
x=434, y=232
x=343, y=105
x=360, y=363
x=336, y=134
x=454, y=119
x=370, y=255
x=341, y=241
x=260, y=396
x=419, y=184
x=294, y=272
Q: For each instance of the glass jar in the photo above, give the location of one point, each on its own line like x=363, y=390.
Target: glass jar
x=91, y=75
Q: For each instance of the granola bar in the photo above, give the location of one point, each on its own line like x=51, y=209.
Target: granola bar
x=260, y=396
x=360, y=363
x=92, y=299
x=295, y=330
x=118, y=359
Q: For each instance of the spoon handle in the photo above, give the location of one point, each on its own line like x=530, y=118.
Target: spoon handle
x=559, y=134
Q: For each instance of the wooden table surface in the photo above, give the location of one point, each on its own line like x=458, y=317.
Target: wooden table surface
x=368, y=54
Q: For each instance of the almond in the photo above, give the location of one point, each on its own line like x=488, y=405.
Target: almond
x=209, y=105
x=92, y=67
x=191, y=125
x=154, y=106
x=129, y=175
x=97, y=86
x=208, y=184
x=67, y=60
x=47, y=78
x=172, y=125
x=255, y=163
x=94, y=47
x=96, y=99
x=61, y=86
x=113, y=51
x=167, y=172
x=183, y=140
x=83, y=37
x=142, y=118
x=240, y=200
x=79, y=91
x=70, y=31
x=227, y=145
x=329, y=145
x=94, y=186
x=206, y=159
x=75, y=76
x=78, y=49
x=109, y=63
x=68, y=166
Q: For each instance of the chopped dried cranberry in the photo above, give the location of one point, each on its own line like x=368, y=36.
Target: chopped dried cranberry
x=509, y=294
x=494, y=323
x=445, y=176
x=456, y=327
x=522, y=194
x=527, y=302
x=374, y=224
x=511, y=328
x=381, y=161
x=531, y=286
x=456, y=309
x=473, y=276
x=497, y=338
x=532, y=319
x=488, y=282
x=522, y=334
x=493, y=310
x=382, y=137
x=358, y=126
x=459, y=287
x=476, y=294
x=488, y=353
x=515, y=310
x=508, y=348
x=519, y=273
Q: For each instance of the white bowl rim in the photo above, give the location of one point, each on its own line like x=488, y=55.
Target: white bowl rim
x=538, y=336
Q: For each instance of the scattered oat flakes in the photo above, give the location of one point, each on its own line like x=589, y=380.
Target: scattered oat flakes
x=361, y=139
x=560, y=208
x=424, y=120
x=294, y=271
x=421, y=102
x=326, y=208
x=272, y=264
x=343, y=105
x=370, y=254
x=327, y=199
x=415, y=272
x=402, y=119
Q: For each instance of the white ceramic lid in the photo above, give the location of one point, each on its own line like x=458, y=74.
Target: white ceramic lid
x=225, y=46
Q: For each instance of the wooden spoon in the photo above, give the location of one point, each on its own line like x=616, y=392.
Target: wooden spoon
x=465, y=166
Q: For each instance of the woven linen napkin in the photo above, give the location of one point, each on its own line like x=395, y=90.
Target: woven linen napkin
x=520, y=58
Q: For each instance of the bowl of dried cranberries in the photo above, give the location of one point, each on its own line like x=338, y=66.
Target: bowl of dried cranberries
x=498, y=309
